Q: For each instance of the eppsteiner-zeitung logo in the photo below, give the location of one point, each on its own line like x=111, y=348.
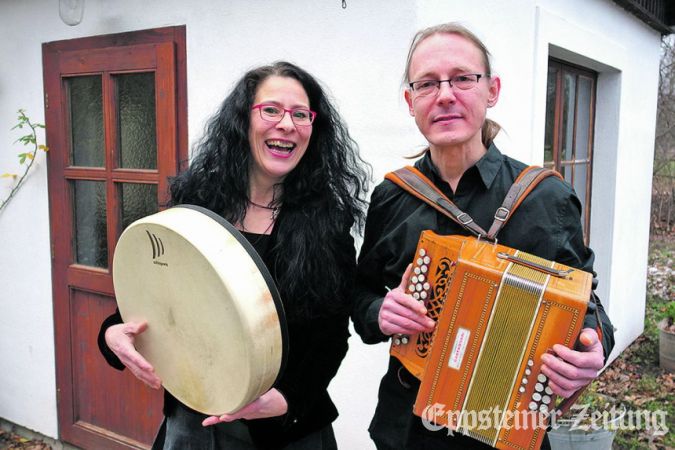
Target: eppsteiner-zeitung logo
x=581, y=418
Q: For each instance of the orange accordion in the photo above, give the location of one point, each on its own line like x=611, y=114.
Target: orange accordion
x=497, y=311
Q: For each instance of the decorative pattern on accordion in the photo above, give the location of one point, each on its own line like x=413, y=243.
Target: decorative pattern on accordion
x=435, y=304
x=429, y=282
x=497, y=311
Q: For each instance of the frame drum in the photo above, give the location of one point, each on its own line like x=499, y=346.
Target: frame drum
x=216, y=331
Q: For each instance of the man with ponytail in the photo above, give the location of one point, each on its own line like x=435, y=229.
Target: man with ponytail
x=449, y=87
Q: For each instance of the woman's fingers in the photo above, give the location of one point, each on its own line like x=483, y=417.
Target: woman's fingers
x=120, y=338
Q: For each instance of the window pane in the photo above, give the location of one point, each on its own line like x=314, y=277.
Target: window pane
x=583, y=117
x=91, y=236
x=550, y=114
x=580, y=173
x=138, y=200
x=136, y=132
x=566, y=172
x=569, y=94
x=85, y=108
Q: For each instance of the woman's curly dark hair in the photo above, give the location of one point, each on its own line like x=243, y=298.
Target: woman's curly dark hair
x=321, y=198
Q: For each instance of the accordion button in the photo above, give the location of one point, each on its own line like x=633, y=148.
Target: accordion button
x=536, y=397
x=546, y=399
x=404, y=340
x=423, y=295
x=528, y=371
x=530, y=363
x=538, y=387
x=543, y=408
x=420, y=261
x=541, y=378
x=423, y=252
x=417, y=270
x=533, y=406
x=397, y=341
x=416, y=295
x=427, y=260
x=524, y=381
x=424, y=269
x=548, y=390
x=413, y=279
x=521, y=390
x=418, y=287
x=411, y=288
x=426, y=286
x=421, y=277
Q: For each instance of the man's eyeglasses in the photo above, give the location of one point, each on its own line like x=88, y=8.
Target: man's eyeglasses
x=466, y=81
x=273, y=113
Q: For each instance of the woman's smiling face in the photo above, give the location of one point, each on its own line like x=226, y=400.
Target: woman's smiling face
x=277, y=148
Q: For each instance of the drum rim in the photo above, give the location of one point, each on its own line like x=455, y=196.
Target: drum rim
x=264, y=271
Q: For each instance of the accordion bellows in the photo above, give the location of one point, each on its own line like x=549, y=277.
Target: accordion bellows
x=497, y=311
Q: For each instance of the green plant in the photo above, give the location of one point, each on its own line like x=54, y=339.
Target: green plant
x=669, y=312
x=27, y=158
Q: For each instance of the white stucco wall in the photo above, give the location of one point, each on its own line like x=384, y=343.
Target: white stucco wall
x=359, y=54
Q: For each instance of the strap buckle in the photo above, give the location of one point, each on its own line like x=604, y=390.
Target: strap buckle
x=502, y=214
x=465, y=221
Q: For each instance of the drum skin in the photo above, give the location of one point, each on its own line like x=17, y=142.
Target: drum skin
x=216, y=332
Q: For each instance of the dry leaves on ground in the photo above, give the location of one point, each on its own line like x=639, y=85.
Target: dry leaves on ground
x=11, y=441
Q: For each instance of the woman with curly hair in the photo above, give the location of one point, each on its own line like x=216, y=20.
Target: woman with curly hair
x=276, y=161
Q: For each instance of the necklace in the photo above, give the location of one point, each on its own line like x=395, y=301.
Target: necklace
x=262, y=206
x=274, y=209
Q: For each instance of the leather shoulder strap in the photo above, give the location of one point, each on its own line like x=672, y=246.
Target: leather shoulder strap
x=417, y=184
x=524, y=184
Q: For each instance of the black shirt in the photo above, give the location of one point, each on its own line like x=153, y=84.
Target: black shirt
x=547, y=224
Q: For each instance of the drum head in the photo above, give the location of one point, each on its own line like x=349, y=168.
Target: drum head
x=216, y=331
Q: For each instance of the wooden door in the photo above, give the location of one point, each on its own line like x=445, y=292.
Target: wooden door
x=115, y=115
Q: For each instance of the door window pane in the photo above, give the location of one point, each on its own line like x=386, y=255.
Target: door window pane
x=138, y=200
x=85, y=110
x=136, y=124
x=91, y=236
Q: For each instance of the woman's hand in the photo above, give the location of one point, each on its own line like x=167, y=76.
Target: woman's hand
x=401, y=313
x=120, y=338
x=270, y=404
